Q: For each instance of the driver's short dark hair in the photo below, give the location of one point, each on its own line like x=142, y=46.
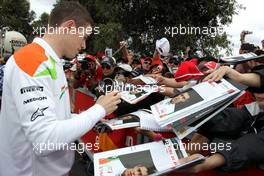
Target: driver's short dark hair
x=70, y=10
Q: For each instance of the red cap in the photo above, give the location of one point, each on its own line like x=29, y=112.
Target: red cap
x=90, y=57
x=186, y=71
x=212, y=65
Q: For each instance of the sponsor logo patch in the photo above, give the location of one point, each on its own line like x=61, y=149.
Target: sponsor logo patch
x=34, y=99
x=38, y=113
x=31, y=89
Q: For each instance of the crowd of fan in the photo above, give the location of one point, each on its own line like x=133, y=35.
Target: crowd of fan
x=88, y=70
x=173, y=70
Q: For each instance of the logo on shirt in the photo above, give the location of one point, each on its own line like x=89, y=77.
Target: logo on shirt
x=38, y=113
x=52, y=72
x=35, y=99
x=31, y=89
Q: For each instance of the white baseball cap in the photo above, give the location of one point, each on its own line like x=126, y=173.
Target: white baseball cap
x=125, y=67
x=163, y=46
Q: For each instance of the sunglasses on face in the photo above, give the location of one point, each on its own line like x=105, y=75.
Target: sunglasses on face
x=88, y=65
x=147, y=63
x=105, y=66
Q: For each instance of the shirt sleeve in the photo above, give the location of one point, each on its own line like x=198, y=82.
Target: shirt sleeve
x=36, y=105
x=261, y=88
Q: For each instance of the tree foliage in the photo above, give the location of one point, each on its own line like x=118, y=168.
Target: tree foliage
x=145, y=21
x=42, y=21
x=16, y=15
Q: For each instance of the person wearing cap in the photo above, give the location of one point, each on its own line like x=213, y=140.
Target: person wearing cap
x=136, y=68
x=123, y=72
x=89, y=73
x=190, y=73
x=173, y=63
x=162, y=50
x=152, y=65
x=186, y=75
x=108, y=66
x=146, y=63
x=163, y=46
x=126, y=74
x=156, y=66
x=208, y=67
x=135, y=64
x=188, y=70
x=37, y=129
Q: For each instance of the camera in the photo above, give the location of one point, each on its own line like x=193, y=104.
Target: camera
x=248, y=32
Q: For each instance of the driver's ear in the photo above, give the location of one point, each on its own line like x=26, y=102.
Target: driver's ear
x=68, y=24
